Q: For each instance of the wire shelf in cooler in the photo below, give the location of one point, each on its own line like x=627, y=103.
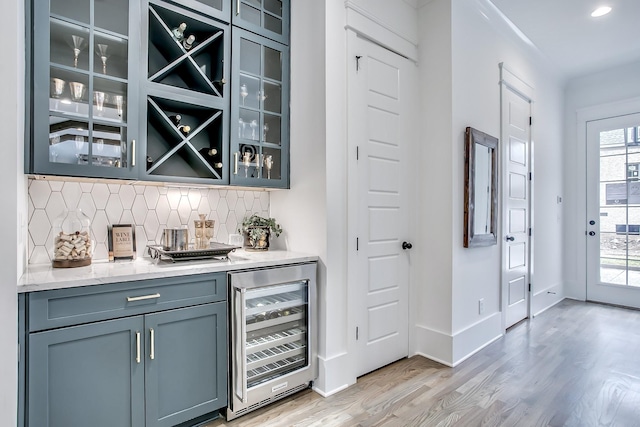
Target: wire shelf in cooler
x=274, y=354
x=269, y=319
x=275, y=339
x=272, y=370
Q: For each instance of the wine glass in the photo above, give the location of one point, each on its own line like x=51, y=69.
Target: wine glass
x=265, y=129
x=246, y=160
x=99, y=100
x=119, y=101
x=243, y=93
x=268, y=162
x=78, y=45
x=253, y=125
x=241, y=127
x=77, y=90
x=261, y=96
x=101, y=51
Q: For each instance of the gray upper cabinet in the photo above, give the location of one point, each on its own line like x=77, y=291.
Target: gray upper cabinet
x=269, y=18
x=260, y=111
x=218, y=9
x=84, y=92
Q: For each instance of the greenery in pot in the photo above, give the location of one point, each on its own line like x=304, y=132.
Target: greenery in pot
x=257, y=231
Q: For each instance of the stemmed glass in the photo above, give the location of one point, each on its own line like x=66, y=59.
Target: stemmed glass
x=101, y=51
x=99, y=99
x=265, y=129
x=268, y=162
x=254, y=126
x=246, y=160
x=78, y=44
x=241, y=127
x=243, y=93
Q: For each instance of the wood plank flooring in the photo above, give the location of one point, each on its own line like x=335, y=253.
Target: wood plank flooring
x=577, y=364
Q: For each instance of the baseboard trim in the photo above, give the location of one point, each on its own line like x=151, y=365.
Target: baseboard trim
x=475, y=337
x=333, y=375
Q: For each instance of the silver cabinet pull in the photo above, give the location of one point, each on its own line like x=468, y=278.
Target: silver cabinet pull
x=237, y=7
x=152, y=353
x=235, y=162
x=143, y=297
x=137, y=346
x=133, y=152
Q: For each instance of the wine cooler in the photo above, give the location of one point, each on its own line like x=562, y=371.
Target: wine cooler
x=273, y=335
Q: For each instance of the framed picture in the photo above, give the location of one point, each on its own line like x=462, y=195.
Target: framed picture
x=122, y=241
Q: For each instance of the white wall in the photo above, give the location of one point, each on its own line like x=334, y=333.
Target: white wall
x=479, y=41
x=13, y=199
x=598, y=89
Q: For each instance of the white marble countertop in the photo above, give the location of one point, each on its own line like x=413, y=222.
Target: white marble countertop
x=44, y=277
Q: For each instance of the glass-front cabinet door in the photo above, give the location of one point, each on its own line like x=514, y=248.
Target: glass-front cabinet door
x=82, y=90
x=260, y=112
x=269, y=18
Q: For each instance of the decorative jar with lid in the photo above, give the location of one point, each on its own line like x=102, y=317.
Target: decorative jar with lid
x=72, y=240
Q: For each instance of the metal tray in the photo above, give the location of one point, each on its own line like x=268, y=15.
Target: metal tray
x=216, y=251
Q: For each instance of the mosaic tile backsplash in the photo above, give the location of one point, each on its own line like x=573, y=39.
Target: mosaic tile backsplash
x=151, y=208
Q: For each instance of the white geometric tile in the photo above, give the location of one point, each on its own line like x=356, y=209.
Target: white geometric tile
x=127, y=196
x=163, y=190
x=127, y=217
x=214, y=199
x=151, y=196
x=163, y=209
x=174, y=196
x=141, y=240
x=223, y=193
x=184, y=191
x=203, y=207
x=114, y=188
x=231, y=225
x=184, y=209
x=56, y=185
x=71, y=192
x=222, y=235
x=55, y=206
x=139, y=188
x=194, y=198
x=30, y=246
x=248, y=202
x=114, y=209
x=39, y=227
x=100, y=195
x=223, y=210
x=86, y=205
x=40, y=255
x=100, y=251
x=151, y=224
x=86, y=187
x=31, y=208
x=139, y=209
x=241, y=193
x=232, y=198
x=39, y=192
x=174, y=220
x=99, y=226
x=264, y=201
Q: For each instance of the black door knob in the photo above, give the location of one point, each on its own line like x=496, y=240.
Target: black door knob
x=592, y=233
x=592, y=222
x=406, y=245
x=510, y=238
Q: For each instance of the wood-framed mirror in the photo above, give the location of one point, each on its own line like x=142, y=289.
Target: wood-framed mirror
x=480, y=189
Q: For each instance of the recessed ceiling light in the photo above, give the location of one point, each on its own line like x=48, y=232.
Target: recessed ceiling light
x=603, y=10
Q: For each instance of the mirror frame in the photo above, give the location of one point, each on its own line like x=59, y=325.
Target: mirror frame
x=472, y=138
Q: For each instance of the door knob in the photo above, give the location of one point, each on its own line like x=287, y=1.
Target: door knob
x=592, y=222
x=592, y=233
x=510, y=238
x=406, y=245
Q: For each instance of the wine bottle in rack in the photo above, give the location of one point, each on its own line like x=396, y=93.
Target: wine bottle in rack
x=208, y=152
x=184, y=129
x=188, y=42
x=175, y=119
x=178, y=32
x=217, y=165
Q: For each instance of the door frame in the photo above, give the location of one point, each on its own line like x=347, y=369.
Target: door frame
x=583, y=116
x=510, y=81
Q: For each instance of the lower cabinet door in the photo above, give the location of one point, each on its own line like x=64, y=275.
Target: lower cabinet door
x=87, y=375
x=185, y=363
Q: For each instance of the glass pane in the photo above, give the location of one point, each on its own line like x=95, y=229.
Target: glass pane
x=248, y=125
x=68, y=141
x=250, y=57
x=273, y=6
x=271, y=129
x=272, y=23
x=107, y=147
x=250, y=14
x=73, y=9
x=112, y=15
x=612, y=137
x=216, y=4
x=272, y=64
x=109, y=100
x=612, y=161
x=68, y=91
x=249, y=155
x=68, y=45
x=272, y=163
x=111, y=56
x=250, y=95
x=273, y=97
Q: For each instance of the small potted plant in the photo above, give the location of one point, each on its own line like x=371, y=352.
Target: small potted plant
x=257, y=230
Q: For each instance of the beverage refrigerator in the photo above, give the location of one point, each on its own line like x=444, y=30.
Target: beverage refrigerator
x=272, y=335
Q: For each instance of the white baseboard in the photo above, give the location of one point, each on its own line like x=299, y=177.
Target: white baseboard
x=546, y=298
x=333, y=375
x=434, y=345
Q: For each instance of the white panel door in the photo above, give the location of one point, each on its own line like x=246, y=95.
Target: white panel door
x=380, y=129
x=613, y=210
x=516, y=112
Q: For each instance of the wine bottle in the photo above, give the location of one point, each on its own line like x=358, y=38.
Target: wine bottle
x=178, y=32
x=184, y=129
x=218, y=165
x=208, y=152
x=175, y=119
x=188, y=42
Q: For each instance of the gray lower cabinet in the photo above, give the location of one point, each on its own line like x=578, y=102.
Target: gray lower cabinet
x=149, y=353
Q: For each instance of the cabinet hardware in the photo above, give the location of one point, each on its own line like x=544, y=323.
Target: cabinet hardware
x=152, y=353
x=137, y=347
x=358, y=62
x=237, y=7
x=143, y=297
x=133, y=152
x=235, y=162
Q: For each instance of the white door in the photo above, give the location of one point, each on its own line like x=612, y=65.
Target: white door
x=516, y=137
x=380, y=128
x=613, y=210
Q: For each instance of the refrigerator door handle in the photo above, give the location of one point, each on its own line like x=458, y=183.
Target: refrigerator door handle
x=241, y=356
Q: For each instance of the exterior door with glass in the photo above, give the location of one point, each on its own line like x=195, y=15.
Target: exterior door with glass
x=613, y=210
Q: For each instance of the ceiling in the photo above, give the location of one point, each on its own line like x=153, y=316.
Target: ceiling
x=576, y=43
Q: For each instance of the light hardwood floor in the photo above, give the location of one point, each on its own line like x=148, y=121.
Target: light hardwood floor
x=577, y=364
